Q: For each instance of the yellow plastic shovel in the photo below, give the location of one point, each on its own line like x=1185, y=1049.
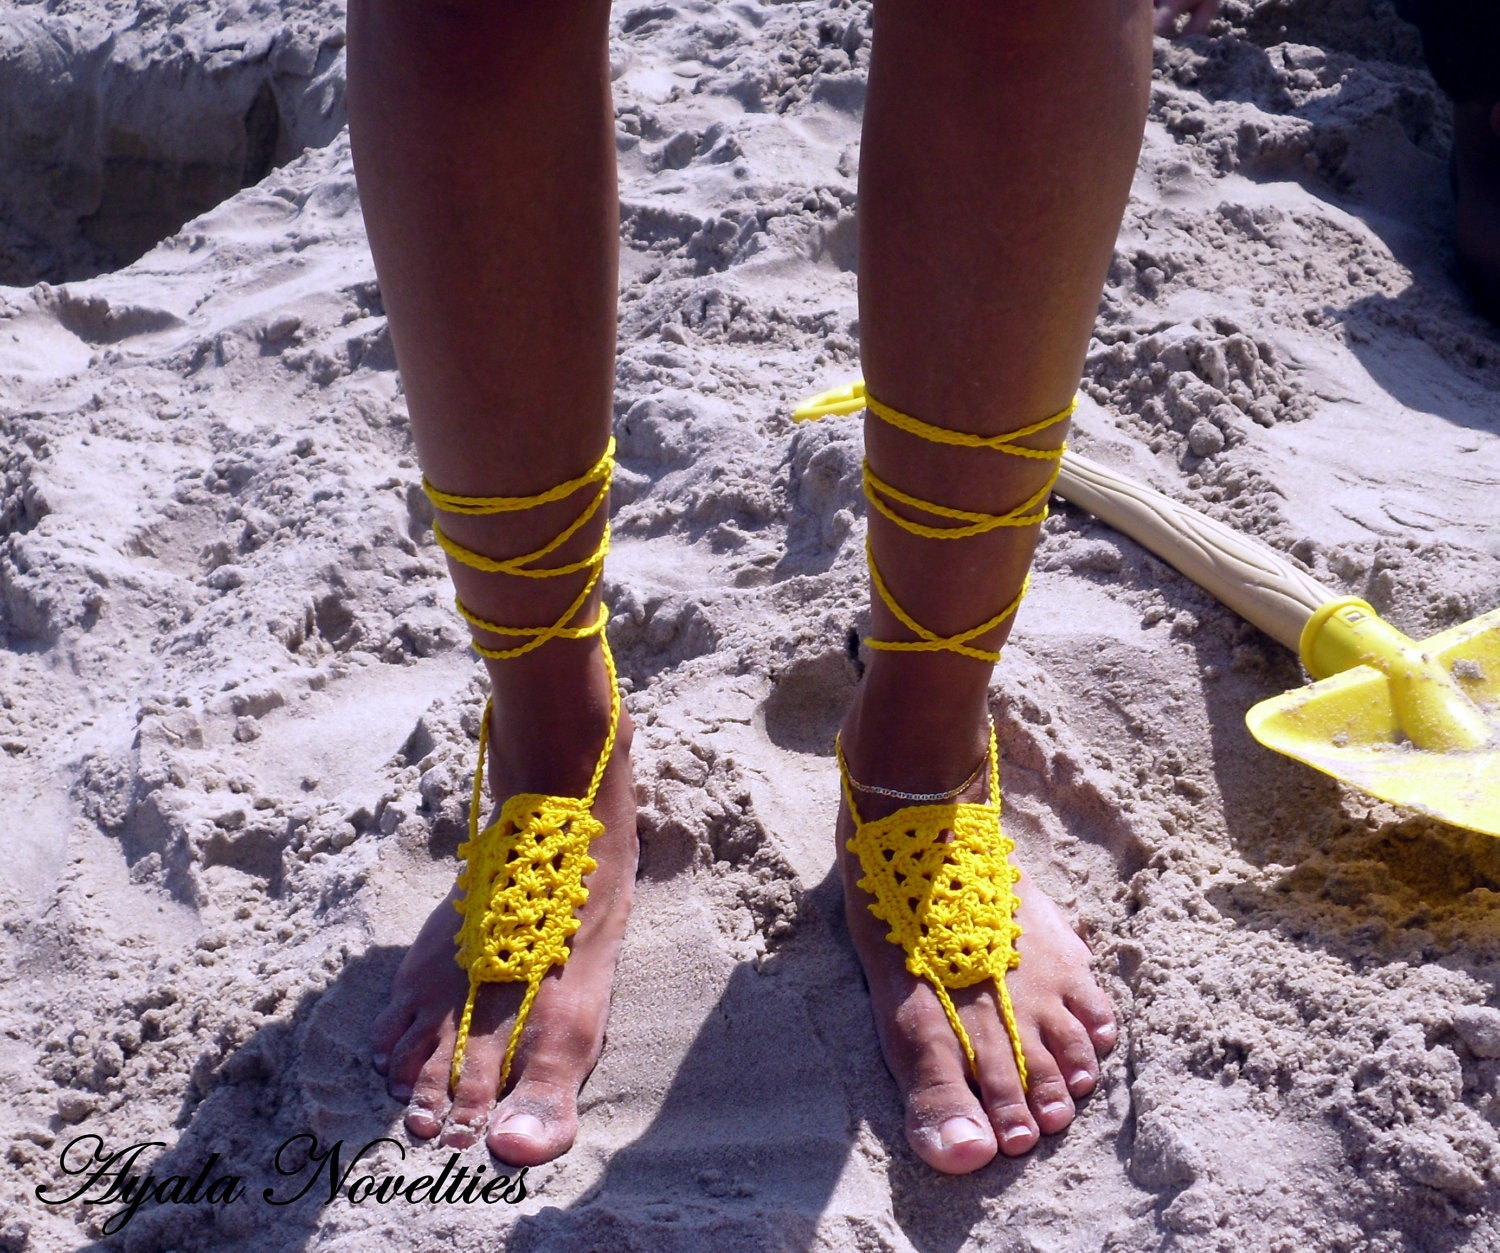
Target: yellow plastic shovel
x=1413, y=723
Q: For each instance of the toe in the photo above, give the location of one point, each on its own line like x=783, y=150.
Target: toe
x=1092, y=1009
x=1000, y=1087
x=389, y=1026
x=945, y=1124
x=477, y=1086
x=1069, y=1043
x=947, y=1128
x=429, y=1099
x=1046, y=1090
x=538, y=1119
x=536, y=1122
x=410, y=1054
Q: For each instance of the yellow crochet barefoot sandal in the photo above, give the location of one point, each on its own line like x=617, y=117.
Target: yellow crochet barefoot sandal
x=523, y=875
x=950, y=903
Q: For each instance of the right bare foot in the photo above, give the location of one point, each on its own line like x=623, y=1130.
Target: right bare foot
x=897, y=735
x=541, y=740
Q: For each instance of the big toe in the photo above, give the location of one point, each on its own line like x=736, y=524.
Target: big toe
x=535, y=1123
x=948, y=1130
x=945, y=1123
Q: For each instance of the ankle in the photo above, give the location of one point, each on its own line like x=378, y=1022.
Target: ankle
x=918, y=722
x=550, y=718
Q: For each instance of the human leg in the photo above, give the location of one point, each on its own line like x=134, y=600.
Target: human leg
x=484, y=148
x=998, y=152
x=1462, y=44
x=1476, y=179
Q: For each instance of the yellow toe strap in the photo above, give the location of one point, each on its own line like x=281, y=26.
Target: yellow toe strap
x=944, y=884
x=522, y=884
x=522, y=881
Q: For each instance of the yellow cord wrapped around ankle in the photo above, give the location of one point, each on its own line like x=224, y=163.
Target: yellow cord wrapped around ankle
x=967, y=522
x=522, y=881
x=524, y=566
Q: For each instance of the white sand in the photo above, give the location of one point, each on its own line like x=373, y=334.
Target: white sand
x=237, y=709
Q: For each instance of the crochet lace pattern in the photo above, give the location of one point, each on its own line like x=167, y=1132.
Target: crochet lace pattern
x=941, y=874
x=950, y=904
x=522, y=881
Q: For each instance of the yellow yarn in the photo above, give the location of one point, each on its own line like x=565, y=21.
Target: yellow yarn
x=950, y=904
x=941, y=874
x=523, y=566
x=523, y=875
x=450, y=503
x=1030, y=512
x=930, y=641
x=963, y=439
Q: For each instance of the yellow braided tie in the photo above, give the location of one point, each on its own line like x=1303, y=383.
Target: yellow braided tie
x=963, y=439
x=523, y=567
x=1030, y=512
x=522, y=880
x=949, y=903
x=941, y=874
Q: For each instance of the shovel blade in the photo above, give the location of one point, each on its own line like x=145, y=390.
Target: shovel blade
x=1346, y=726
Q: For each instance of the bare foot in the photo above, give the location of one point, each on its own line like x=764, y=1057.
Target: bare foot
x=413, y=1037
x=1065, y=1020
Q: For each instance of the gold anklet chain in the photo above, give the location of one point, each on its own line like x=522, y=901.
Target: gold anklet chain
x=925, y=797
x=522, y=881
x=940, y=872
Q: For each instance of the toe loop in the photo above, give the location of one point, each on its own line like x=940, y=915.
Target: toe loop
x=950, y=903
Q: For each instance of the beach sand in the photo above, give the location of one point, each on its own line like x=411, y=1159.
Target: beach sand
x=238, y=711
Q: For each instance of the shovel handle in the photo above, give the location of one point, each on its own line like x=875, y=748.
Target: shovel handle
x=1261, y=586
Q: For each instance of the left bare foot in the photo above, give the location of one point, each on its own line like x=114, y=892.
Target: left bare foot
x=535, y=747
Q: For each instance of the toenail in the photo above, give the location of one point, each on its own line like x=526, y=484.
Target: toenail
x=958, y=1131
x=419, y=1114
x=1012, y=1134
x=1079, y=1079
x=1055, y=1107
x=523, y=1125
x=399, y=1092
